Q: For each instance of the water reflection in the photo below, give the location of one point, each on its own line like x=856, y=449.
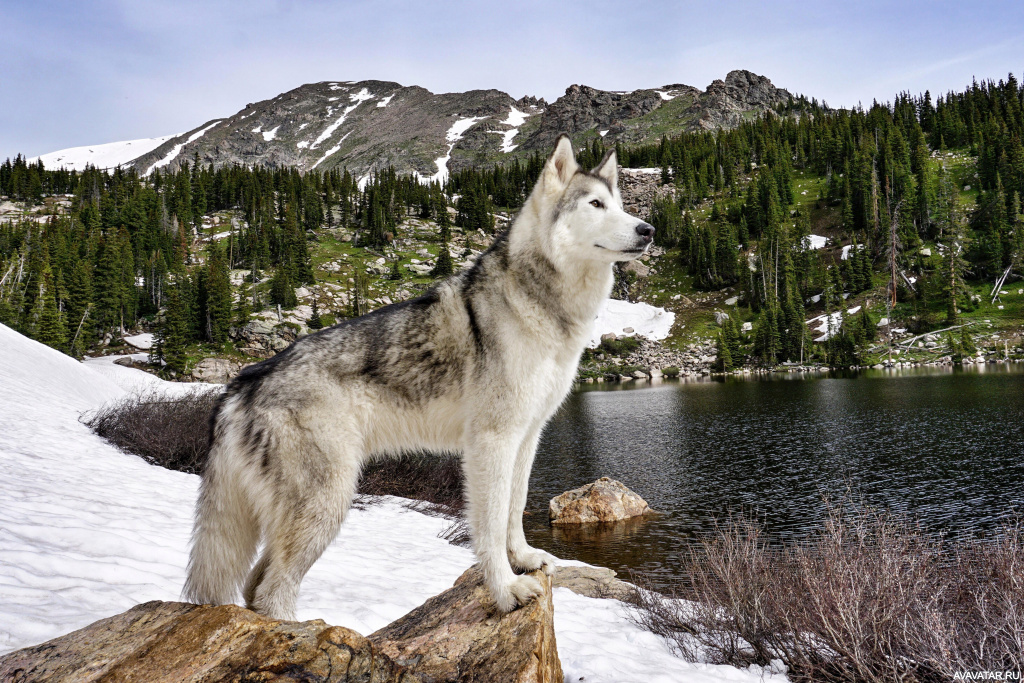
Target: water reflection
x=944, y=445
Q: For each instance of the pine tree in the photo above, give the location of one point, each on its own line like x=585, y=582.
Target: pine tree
x=51, y=329
x=281, y=291
x=315, y=323
x=967, y=343
x=218, y=296
x=171, y=339
x=444, y=265
x=724, y=362
x=244, y=305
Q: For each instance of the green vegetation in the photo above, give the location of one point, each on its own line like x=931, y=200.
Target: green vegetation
x=924, y=197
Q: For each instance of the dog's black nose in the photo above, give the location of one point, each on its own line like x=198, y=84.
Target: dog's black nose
x=646, y=231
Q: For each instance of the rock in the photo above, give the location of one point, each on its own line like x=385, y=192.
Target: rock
x=641, y=269
x=215, y=370
x=610, y=336
x=747, y=327
x=605, y=500
x=639, y=374
x=925, y=251
x=593, y=582
x=720, y=317
x=628, y=330
x=174, y=642
x=460, y=635
x=732, y=301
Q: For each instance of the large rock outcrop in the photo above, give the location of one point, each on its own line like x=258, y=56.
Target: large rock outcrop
x=460, y=635
x=604, y=500
x=175, y=642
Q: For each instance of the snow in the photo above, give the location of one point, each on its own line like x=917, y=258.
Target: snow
x=385, y=101
x=453, y=135
x=847, y=249
x=828, y=325
x=257, y=129
x=332, y=150
x=177, y=148
x=643, y=171
x=141, y=341
x=87, y=532
x=604, y=132
x=358, y=99
x=815, y=242
x=270, y=134
x=109, y=155
x=516, y=119
x=853, y=311
x=664, y=95
x=616, y=315
x=303, y=144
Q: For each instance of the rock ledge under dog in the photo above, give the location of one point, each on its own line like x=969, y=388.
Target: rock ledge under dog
x=458, y=635
x=604, y=500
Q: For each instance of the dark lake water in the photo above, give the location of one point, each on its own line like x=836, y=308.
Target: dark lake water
x=943, y=446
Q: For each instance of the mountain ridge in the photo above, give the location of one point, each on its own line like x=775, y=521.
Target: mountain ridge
x=367, y=126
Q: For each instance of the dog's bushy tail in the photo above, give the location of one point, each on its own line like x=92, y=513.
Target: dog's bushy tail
x=226, y=534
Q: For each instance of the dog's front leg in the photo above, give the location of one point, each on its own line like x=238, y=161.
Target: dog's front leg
x=490, y=461
x=521, y=554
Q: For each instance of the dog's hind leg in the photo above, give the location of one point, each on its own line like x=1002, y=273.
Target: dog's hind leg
x=305, y=520
x=523, y=556
x=489, y=464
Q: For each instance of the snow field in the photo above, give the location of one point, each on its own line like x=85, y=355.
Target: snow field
x=109, y=155
x=87, y=532
x=646, y=320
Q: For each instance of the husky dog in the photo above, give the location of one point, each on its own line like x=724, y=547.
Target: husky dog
x=476, y=365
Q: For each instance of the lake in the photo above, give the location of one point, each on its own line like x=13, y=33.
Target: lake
x=943, y=445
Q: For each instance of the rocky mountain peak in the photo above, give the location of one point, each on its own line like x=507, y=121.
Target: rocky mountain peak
x=368, y=125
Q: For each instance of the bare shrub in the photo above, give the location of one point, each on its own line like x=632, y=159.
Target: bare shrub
x=870, y=598
x=436, y=479
x=172, y=433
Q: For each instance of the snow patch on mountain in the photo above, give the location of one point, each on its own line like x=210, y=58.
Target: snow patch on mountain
x=108, y=155
x=270, y=134
x=385, y=101
x=178, y=147
x=515, y=118
x=332, y=150
x=453, y=135
x=358, y=99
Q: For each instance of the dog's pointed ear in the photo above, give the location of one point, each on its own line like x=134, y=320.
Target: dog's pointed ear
x=561, y=165
x=608, y=169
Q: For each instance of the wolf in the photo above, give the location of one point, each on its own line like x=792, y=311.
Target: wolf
x=476, y=365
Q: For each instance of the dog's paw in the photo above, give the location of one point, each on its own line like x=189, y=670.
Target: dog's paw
x=532, y=559
x=518, y=591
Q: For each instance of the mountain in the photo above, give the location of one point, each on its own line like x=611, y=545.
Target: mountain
x=367, y=126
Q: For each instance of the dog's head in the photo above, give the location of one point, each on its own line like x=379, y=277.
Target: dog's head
x=585, y=209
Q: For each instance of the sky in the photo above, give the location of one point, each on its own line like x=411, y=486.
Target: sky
x=83, y=73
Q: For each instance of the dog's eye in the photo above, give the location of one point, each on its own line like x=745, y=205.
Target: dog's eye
x=596, y=203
